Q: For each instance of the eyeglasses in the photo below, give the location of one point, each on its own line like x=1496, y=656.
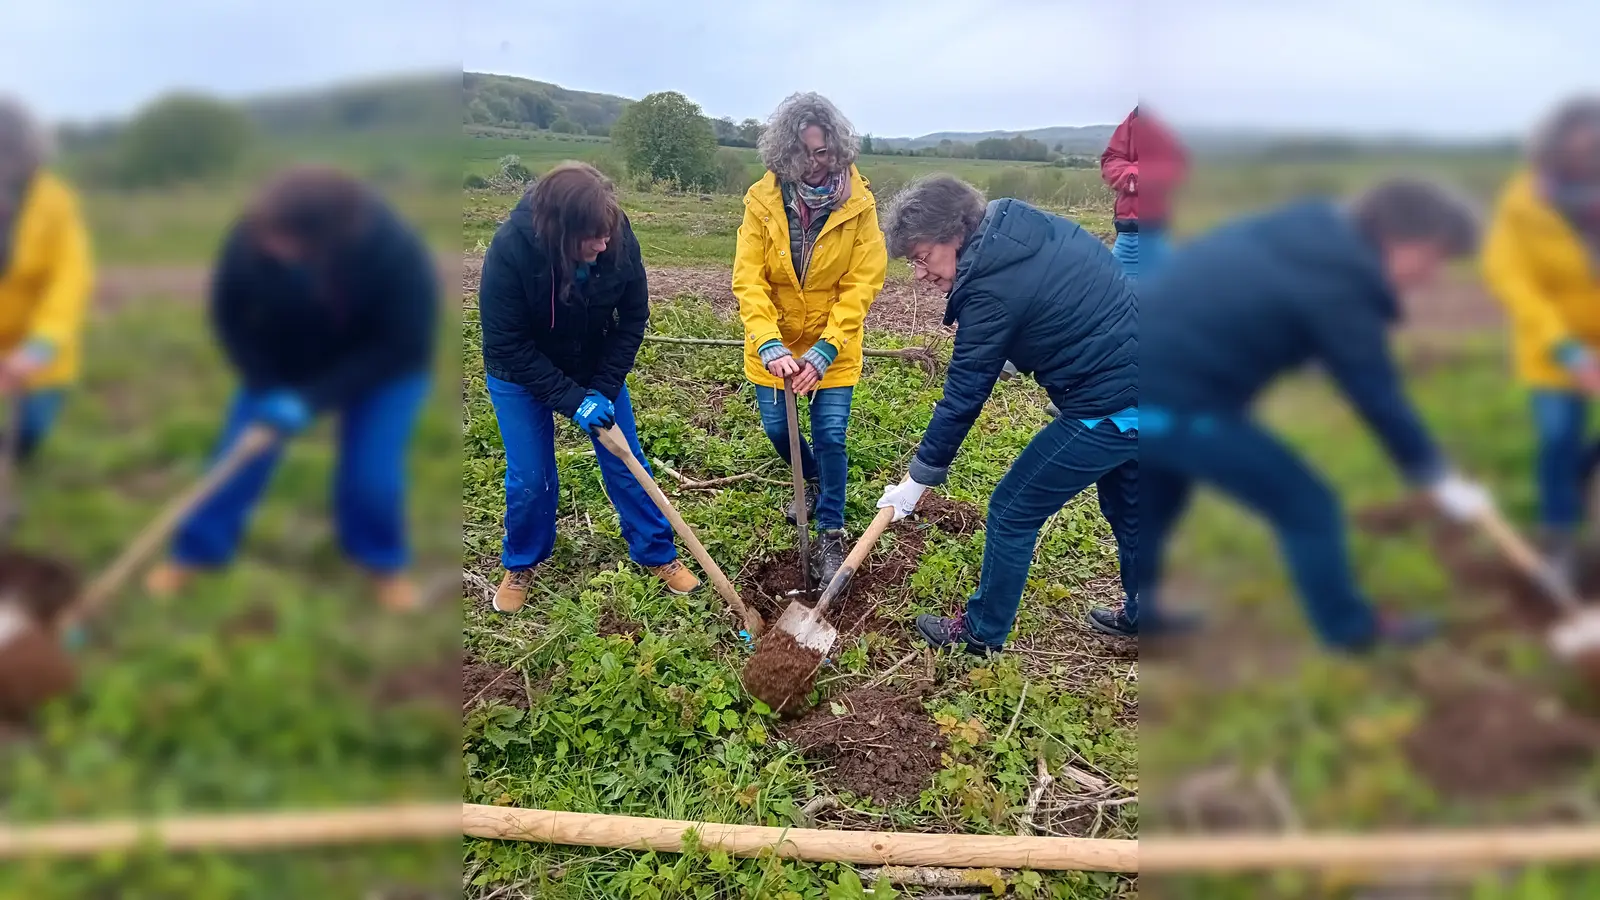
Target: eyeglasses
x=919, y=262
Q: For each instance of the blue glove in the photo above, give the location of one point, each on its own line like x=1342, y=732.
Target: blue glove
x=595, y=412
x=285, y=411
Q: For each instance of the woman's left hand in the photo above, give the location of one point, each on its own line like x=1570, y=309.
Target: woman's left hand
x=806, y=380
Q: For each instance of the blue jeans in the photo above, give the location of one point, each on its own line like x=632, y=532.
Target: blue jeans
x=1141, y=253
x=1251, y=466
x=37, y=415
x=1565, y=461
x=527, y=429
x=368, y=484
x=823, y=458
x=1062, y=459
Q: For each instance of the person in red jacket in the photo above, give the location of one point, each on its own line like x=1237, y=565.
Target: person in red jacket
x=1144, y=164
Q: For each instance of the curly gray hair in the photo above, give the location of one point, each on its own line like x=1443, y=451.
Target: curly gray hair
x=1577, y=114
x=934, y=209
x=782, y=151
x=23, y=140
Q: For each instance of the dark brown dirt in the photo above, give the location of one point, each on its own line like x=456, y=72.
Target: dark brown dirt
x=612, y=622
x=767, y=584
x=953, y=517
x=33, y=669
x=883, y=746
x=42, y=585
x=437, y=683
x=483, y=682
x=781, y=673
x=258, y=621
x=1484, y=742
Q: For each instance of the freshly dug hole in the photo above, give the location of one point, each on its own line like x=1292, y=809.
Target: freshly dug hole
x=953, y=517
x=44, y=586
x=767, y=585
x=883, y=746
x=483, y=682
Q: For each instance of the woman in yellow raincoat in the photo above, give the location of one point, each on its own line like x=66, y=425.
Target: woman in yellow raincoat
x=44, y=281
x=810, y=261
x=1542, y=259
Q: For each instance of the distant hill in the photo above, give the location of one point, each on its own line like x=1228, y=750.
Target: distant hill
x=1075, y=140
x=502, y=100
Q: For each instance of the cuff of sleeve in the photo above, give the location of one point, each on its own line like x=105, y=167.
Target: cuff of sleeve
x=924, y=474
x=772, y=351
x=1428, y=474
x=39, y=350
x=1572, y=353
x=571, y=400
x=607, y=388
x=820, y=357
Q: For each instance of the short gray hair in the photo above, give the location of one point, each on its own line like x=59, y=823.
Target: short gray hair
x=22, y=138
x=1576, y=114
x=934, y=209
x=1417, y=209
x=782, y=151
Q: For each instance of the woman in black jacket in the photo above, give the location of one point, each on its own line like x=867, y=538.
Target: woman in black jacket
x=563, y=306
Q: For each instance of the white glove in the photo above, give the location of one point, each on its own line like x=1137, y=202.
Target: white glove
x=1461, y=499
x=903, y=497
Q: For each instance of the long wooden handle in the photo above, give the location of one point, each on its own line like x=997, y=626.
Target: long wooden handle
x=1526, y=559
x=613, y=440
x=255, y=440
x=858, y=554
x=1376, y=853
x=249, y=831
x=803, y=541
x=815, y=845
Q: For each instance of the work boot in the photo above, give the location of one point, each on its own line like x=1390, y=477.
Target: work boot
x=1113, y=622
x=789, y=514
x=1397, y=630
x=830, y=556
x=678, y=578
x=513, y=591
x=396, y=593
x=168, y=579
x=941, y=632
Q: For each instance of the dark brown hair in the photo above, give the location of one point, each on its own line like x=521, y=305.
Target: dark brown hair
x=572, y=203
x=319, y=208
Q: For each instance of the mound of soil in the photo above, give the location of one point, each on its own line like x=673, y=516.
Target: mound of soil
x=612, y=622
x=953, y=517
x=780, y=673
x=258, y=620
x=435, y=683
x=43, y=586
x=33, y=668
x=883, y=746
x=483, y=682
x=1498, y=741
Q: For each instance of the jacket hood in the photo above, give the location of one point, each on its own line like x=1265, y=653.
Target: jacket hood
x=1011, y=231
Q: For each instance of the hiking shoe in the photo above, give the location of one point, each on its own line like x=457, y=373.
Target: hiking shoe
x=811, y=505
x=1113, y=622
x=168, y=579
x=678, y=578
x=941, y=631
x=1406, y=631
x=513, y=591
x=396, y=592
x=830, y=556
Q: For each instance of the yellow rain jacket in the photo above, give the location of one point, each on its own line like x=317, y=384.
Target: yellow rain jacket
x=44, y=290
x=1537, y=264
x=847, y=269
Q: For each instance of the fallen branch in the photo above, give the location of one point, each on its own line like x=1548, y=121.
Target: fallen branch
x=1375, y=854
x=243, y=831
x=930, y=877
x=892, y=669
x=922, y=356
x=689, y=484
x=814, y=845
x=1037, y=794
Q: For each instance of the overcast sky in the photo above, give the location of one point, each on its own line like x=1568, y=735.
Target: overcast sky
x=896, y=67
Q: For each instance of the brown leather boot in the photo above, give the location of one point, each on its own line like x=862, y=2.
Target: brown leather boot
x=396, y=592
x=168, y=579
x=678, y=578
x=513, y=591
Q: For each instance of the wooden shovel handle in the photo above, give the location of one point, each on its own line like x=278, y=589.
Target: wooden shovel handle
x=858, y=554
x=803, y=540
x=1525, y=558
x=255, y=440
x=613, y=440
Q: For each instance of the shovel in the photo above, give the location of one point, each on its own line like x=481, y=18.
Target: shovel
x=786, y=662
x=808, y=588
x=1576, y=636
x=613, y=440
x=34, y=664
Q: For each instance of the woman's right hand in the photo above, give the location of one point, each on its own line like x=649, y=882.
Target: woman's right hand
x=784, y=367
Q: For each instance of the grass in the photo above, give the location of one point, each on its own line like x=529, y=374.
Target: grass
x=654, y=723
x=1334, y=732
x=269, y=685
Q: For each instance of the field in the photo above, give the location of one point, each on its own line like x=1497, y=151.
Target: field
x=275, y=684
x=606, y=694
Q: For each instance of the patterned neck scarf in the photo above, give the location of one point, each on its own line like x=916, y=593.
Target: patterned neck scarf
x=830, y=194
